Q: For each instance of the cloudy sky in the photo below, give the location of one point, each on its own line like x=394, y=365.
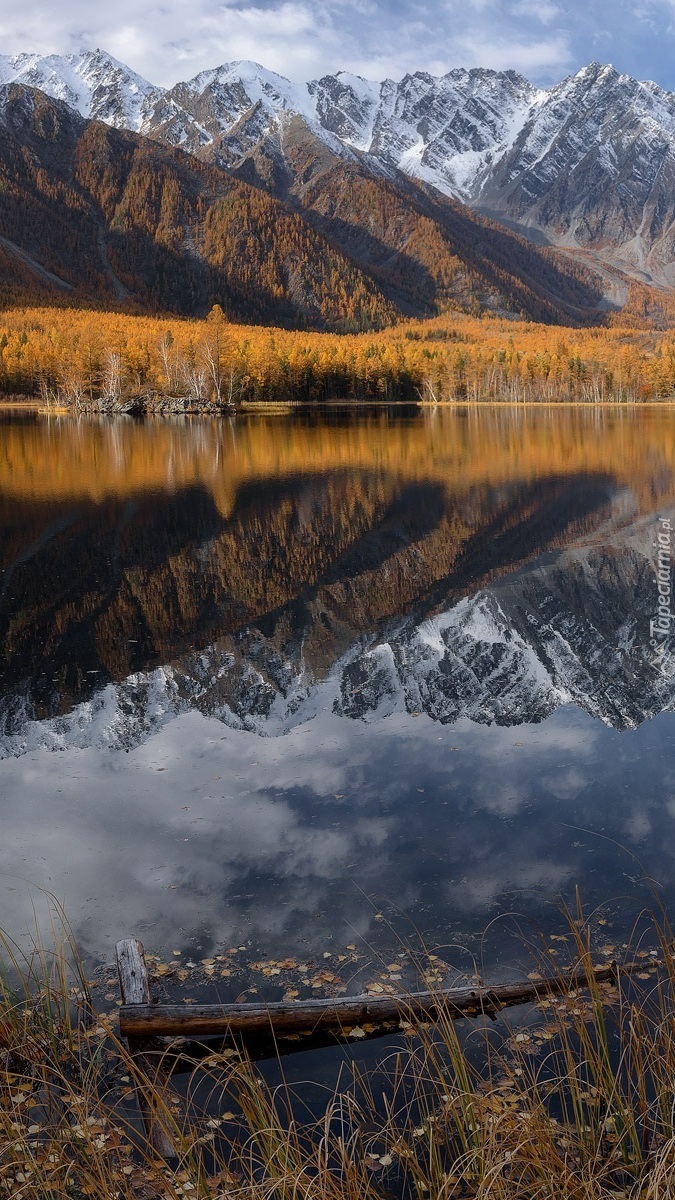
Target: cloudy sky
x=167, y=40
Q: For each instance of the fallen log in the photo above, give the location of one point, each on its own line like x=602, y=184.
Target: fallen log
x=339, y=1014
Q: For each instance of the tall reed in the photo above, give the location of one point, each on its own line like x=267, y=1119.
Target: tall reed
x=573, y=1097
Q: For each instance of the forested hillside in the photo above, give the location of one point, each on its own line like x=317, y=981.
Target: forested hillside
x=93, y=214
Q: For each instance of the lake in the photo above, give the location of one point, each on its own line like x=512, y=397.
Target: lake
x=343, y=677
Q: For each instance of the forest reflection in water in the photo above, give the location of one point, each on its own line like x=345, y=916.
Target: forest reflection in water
x=445, y=613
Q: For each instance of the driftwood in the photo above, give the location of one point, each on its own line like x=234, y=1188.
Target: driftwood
x=135, y=989
x=338, y=1014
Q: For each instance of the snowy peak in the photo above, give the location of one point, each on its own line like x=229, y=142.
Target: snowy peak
x=247, y=83
x=238, y=101
x=594, y=167
x=93, y=82
x=448, y=131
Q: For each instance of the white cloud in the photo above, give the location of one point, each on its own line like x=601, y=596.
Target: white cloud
x=542, y=10
x=541, y=59
x=167, y=40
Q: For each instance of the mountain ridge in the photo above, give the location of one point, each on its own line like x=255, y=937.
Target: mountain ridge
x=102, y=214
x=587, y=165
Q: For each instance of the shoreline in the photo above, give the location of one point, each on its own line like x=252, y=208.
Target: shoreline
x=285, y=407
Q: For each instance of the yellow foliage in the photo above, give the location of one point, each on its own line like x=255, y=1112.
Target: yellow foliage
x=456, y=357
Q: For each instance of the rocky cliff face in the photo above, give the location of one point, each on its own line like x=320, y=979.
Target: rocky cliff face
x=594, y=166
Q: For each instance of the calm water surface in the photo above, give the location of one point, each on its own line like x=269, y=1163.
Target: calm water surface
x=296, y=682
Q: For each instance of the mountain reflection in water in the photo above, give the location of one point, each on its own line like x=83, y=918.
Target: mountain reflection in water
x=358, y=582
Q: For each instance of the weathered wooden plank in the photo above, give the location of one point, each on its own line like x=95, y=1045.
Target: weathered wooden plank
x=135, y=990
x=132, y=971
x=142, y=1019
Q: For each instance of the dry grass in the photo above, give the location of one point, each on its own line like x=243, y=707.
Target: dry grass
x=575, y=1100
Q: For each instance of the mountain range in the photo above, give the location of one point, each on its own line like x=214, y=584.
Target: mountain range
x=339, y=203
x=588, y=165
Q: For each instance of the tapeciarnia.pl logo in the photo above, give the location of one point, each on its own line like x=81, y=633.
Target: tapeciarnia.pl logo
x=659, y=626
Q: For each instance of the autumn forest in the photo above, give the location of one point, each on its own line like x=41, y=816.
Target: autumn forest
x=91, y=359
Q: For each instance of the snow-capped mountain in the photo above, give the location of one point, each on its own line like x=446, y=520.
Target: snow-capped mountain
x=589, y=163
x=93, y=82
x=445, y=131
x=594, y=165
x=240, y=100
